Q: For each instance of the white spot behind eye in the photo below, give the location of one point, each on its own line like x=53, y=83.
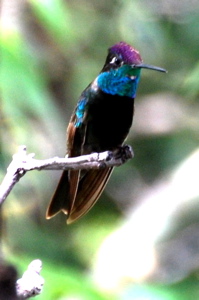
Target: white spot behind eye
x=113, y=60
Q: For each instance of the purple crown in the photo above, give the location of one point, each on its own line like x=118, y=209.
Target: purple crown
x=129, y=54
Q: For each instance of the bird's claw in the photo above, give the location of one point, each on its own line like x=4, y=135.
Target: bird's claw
x=124, y=153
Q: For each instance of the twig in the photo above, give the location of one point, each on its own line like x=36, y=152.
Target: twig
x=31, y=283
x=23, y=162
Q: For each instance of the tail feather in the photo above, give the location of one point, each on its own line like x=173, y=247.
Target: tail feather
x=74, y=181
x=89, y=190
x=60, y=200
x=64, y=196
x=75, y=196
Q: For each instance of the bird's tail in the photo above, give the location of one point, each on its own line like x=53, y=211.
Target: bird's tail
x=61, y=198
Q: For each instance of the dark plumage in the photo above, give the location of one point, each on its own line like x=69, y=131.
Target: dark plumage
x=100, y=122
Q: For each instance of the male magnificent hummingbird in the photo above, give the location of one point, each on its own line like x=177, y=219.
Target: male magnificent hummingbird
x=101, y=121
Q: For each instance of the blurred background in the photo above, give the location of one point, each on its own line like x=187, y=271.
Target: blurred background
x=141, y=240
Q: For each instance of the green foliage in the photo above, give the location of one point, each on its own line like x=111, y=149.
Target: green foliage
x=56, y=19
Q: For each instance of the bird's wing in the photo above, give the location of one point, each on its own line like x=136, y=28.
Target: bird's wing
x=64, y=196
x=75, y=140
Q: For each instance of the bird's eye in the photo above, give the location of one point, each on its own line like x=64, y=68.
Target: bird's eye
x=115, y=61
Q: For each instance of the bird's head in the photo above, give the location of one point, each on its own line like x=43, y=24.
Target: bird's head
x=121, y=72
x=123, y=54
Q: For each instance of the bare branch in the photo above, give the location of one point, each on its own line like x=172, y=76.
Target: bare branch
x=23, y=162
x=31, y=283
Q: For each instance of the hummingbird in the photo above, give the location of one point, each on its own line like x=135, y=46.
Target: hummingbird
x=100, y=122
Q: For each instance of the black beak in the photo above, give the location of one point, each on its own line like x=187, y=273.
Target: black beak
x=144, y=66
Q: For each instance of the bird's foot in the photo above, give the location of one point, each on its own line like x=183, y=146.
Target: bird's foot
x=122, y=153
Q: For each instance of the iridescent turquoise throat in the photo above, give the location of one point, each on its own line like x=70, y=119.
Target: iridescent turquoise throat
x=122, y=81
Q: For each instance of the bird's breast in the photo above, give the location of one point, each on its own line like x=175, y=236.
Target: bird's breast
x=109, y=118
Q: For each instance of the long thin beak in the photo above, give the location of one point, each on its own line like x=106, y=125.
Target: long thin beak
x=144, y=66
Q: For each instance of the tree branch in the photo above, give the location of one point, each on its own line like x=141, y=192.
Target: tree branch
x=23, y=162
x=31, y=283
